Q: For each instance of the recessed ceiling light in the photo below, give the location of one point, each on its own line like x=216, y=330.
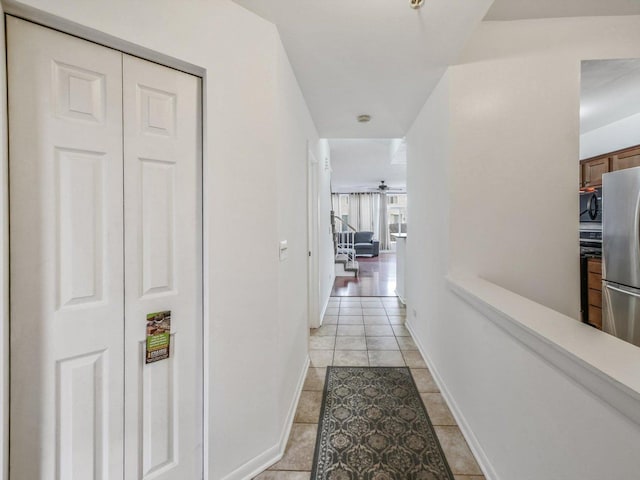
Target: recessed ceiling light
x=364, y=118
x=415, y=4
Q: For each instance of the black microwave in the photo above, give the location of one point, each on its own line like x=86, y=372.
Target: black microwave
x=591, y=206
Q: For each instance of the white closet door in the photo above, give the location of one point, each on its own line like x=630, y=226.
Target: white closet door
x=163, y=265
x=65, y=124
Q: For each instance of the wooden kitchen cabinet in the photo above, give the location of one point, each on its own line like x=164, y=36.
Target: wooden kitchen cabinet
x=593, y=169
x=594, y=269
x=626, y=159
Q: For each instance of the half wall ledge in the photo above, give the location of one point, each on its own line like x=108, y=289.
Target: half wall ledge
x=605, y=365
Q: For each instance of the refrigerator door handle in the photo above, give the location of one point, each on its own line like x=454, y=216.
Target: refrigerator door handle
x=622, y=290
x=636, y=231
x=621, y=312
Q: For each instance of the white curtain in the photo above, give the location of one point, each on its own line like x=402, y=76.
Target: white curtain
x=335, y=203
x=354, y=211
x=376, y=216
x=384, y=238
x=362, y=211
x=365, y=212
x=335, y=206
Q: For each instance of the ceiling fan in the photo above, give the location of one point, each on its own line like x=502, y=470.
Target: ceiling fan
x=383, y=188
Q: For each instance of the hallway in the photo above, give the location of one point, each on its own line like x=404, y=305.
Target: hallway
x=377, y=278
x=481, y=113
x=365, y=331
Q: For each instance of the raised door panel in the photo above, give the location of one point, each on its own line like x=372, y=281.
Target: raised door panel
x=594, y=294
x=594, y=280
x=594, y=265
x=628, y=159
x=157, y=183
x=80, y=205
x=595, y=316
x=593, y=171
x=163, y=205
x=67, y=328
x=82, y=407
x=595, y=297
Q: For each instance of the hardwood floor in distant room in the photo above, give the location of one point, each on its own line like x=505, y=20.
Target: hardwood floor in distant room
x=377, y=278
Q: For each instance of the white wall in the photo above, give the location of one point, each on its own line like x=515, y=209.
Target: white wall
x=257, y=126
x=494, y=195
x=295, y=129
x=615, y=136
x=530, y=420
x=515, y=146
x=427, y=244
x=514, y=172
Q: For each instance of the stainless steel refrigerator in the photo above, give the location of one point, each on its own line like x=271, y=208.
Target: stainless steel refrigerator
x=621, y=254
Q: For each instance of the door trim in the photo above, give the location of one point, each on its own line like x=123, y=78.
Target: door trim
x=313, y=276
x=45, y=19
x=4, y=260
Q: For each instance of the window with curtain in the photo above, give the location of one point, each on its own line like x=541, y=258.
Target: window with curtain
x=340, y=203
x=368, y=212
x=397, y=213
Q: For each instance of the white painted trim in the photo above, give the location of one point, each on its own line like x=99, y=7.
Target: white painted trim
x=597, y=361
x=332, y=282
x=275, y=453
x=4, y=260
x=477, y=450
x=313, y=240
x=324, y=309
x=206, y=300
x=293, y=406
x=256, y=465
x=34, y=15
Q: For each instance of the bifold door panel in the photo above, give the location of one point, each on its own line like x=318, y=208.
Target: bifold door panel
x=67, y=290
x=162, y=269
x=105, y=229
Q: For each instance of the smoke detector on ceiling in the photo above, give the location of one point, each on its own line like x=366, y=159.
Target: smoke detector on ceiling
x=416, y=4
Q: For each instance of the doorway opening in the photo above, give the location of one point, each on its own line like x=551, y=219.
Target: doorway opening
x=369, y=214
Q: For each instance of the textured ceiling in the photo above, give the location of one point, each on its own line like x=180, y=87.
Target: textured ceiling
x=382, y=58
x=358, y=165
x=529, y=9
x=610, y=91
x=378, y=57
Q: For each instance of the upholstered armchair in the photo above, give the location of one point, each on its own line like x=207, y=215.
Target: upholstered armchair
x=365, y=245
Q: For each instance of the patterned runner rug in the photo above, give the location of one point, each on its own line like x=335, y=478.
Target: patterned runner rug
x=373, y=426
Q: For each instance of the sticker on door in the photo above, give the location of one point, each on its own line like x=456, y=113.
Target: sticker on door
x=158, y=336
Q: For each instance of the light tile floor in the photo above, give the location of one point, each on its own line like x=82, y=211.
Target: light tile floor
x=366, y=331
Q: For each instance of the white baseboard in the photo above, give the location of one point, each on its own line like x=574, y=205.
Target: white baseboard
x=324, y=309
x=326, y=300
x=275, y=453
x=474, y=444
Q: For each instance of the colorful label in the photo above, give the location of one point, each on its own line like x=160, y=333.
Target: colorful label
x=158, y=336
